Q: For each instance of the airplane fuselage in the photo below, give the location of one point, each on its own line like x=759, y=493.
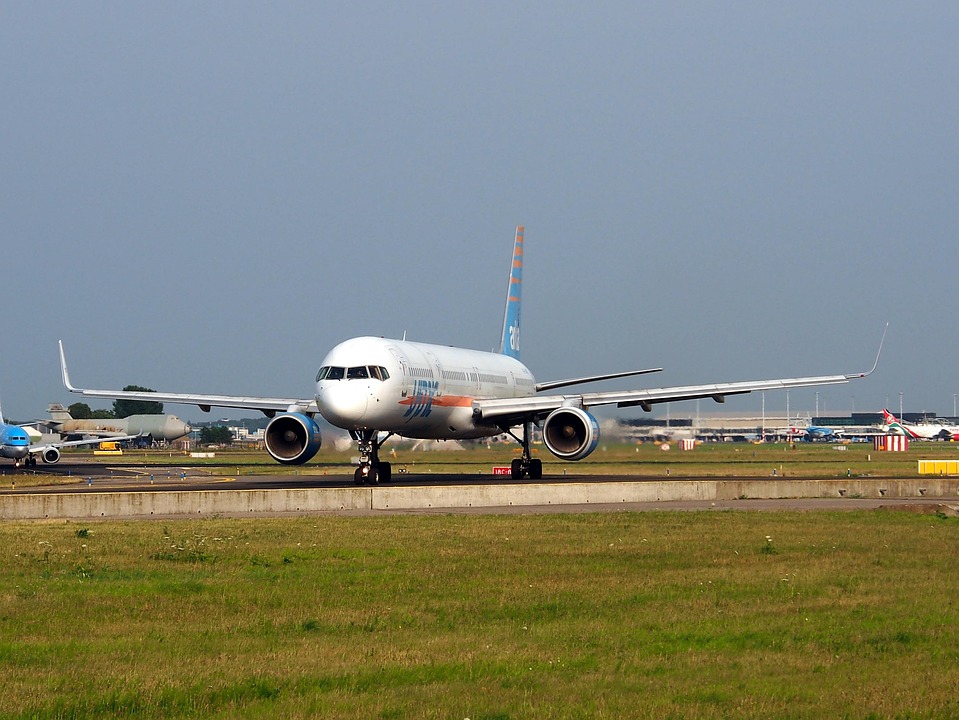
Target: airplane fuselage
x=923, y=431
x=414, y=389
x=159, y=427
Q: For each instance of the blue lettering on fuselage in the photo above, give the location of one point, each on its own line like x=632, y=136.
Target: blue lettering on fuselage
x=422, y=400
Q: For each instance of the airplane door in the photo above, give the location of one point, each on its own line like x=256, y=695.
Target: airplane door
x=438, y=370
x=406, y=382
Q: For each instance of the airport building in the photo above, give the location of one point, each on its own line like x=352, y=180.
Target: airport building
x=741, y=427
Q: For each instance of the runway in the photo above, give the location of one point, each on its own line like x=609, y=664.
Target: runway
x=102, y=490
x=81, y=477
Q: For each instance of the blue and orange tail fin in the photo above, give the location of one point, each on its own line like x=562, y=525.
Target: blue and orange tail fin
x=510, y=343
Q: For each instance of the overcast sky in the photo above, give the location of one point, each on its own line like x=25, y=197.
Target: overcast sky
x=206, y=197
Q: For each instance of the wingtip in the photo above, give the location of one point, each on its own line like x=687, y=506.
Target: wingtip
x=63, y=369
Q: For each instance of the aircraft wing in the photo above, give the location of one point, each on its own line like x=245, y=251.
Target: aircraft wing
x=510, y=410
x=73, y=443
x=267, y=405
x=507, y=412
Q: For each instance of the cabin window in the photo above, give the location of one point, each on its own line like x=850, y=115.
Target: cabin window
x=335, y=373
x=357, y=373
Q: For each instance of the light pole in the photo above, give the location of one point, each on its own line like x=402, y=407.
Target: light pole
x=900, y=405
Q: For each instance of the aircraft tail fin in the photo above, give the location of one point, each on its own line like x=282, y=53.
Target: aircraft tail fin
x=58, y=413
x=888, y=417
x=510, y=342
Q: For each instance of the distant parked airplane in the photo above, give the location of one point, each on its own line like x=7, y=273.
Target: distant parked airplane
x=821, y=432
x=918, y=431
x=158, y=427
x=375, y=388
x=16, y=443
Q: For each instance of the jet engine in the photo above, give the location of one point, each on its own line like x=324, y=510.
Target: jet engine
x=570, y=433
x=50, y=455
x=292, y=438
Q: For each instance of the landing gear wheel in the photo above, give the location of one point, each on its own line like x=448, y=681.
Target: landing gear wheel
x=525, y=466
x=371, y=471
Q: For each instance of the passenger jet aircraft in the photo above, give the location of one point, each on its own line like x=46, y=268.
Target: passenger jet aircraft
x=376, y=388
x=918, y=431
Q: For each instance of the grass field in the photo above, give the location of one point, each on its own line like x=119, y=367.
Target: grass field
x=685, y=615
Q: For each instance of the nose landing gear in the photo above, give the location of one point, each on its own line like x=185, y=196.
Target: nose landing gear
x=371, y=471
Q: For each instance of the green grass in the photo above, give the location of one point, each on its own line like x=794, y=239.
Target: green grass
x=555, y=616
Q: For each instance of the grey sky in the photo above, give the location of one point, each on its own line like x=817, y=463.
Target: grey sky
x=207, y=197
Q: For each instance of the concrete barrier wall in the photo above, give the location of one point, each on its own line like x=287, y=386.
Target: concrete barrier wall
x=571, y=493
x=175, y=502
x=391, y=497
x=842, y=487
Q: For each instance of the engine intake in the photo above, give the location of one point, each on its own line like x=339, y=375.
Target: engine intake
x=292, y=438
x=50, y=455
x=571, y=433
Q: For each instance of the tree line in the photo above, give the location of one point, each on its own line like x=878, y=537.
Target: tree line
x=121, y=408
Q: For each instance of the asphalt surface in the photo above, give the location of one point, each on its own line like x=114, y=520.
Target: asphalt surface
x=80, y=477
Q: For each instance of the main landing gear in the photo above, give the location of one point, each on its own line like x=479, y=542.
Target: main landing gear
x=525, y=466
x=371, y=471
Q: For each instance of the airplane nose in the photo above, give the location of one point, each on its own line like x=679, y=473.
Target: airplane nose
x=342, y=403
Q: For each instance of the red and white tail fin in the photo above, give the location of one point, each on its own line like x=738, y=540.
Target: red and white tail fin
x=888, y=417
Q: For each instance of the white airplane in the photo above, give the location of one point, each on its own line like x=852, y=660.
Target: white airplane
x=937, y=430
x=376, y=388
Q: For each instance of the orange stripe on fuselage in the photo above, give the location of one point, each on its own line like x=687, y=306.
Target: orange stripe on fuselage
x=442, y=401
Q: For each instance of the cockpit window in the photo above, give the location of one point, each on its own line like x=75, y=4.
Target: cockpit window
x=360, y=372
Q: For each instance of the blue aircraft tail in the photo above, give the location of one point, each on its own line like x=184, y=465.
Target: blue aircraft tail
x=510, y=343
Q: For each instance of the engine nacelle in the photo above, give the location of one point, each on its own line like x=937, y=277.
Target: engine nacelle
x=50, y=455
x=292, y=438
x=571, y=433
